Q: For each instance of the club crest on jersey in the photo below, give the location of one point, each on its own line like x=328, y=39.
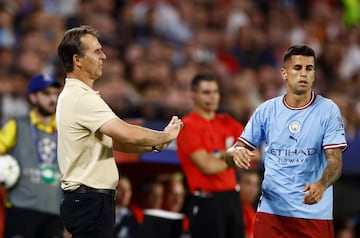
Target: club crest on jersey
x=294, y=127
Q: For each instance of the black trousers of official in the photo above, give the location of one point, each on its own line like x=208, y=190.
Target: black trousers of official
x=88, y=215
x=27, y=223
x=217, y=215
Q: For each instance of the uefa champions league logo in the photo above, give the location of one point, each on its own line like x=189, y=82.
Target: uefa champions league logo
x=294, y=127
x=47, y=150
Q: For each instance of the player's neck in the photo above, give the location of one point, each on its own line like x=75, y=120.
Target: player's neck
x=297, y=101
x=208, y=115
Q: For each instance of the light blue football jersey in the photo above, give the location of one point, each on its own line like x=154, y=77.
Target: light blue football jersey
x=294, y=156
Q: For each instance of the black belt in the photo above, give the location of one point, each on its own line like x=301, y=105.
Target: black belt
x=86, y=189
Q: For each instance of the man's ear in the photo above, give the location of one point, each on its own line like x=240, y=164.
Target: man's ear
x=193, y=97
x=76, y=60
x=283, y=73
x=32, y=98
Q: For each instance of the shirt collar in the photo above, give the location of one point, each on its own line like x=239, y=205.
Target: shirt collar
x=50, y=128
x=76, y=82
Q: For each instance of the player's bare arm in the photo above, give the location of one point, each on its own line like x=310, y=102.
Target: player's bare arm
x=131, y=148
x=240, y=155
x=134, y=138
x=334, y=166
x=330, y=175
x=207, y=162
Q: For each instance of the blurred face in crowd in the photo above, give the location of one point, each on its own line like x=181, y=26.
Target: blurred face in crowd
x=154, y=197
x=91, y=62
x=174, y=196
x=124, y=190
x=45, y=101
x=207, y=96
x=249, y=186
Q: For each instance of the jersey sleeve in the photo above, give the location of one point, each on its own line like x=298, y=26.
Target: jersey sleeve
x=253, y=133
x=334, y=136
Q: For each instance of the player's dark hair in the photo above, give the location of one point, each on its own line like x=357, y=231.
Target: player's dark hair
x=201, y=77
x=71, y=45
x=298, y=50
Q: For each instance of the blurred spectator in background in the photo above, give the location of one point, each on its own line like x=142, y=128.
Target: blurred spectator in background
x=159, y=17
x=13, y=95
x=125, y=222
x=174, y=193
x=7, y=42
x=33, y=203
x=249, y=193
x=161, y=202
x=150, y=196
x=344, y=227
x=174, y=198
x=153, y=192
x=214, y=208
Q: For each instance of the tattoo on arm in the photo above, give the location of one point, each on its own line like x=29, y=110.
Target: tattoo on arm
x=333, y=169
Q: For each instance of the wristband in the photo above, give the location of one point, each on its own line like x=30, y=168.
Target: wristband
x=154, y=149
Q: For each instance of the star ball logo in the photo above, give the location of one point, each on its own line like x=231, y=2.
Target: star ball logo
x=294, y=127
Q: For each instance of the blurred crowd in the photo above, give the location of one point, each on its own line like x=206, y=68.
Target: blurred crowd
x=167, y=193
x=154, y=48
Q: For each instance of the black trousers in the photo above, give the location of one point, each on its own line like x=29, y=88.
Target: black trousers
x=26, y=223
x=216, y=215
x=88, y=215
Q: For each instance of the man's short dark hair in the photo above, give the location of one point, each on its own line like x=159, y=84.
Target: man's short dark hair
x=202, y=77
x=71, y=45
x=298, y=50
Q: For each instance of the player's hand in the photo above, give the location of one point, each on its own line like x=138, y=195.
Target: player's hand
x=314, y=193
x=174, y=127
x=172, y=130
x=241, y=156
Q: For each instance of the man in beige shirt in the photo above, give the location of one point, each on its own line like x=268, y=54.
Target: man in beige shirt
x=88, y=132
